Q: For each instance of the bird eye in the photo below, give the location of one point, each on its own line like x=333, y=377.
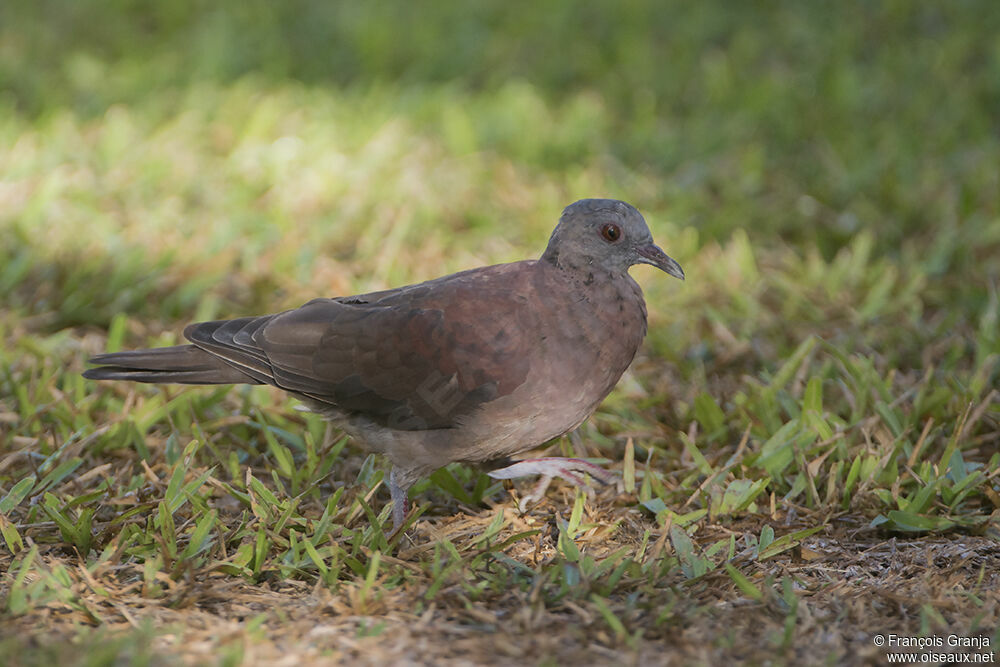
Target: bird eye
x=611, y=232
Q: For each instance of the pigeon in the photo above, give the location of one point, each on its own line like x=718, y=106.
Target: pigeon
x=471, y=367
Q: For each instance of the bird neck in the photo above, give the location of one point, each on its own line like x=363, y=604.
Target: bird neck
x=576, y=264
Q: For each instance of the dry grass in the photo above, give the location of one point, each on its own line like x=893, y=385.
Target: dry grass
x=844, y=584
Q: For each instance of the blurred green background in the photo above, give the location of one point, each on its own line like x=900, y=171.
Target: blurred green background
x=218, y=158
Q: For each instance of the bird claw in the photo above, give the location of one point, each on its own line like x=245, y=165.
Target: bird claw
x=549, y=467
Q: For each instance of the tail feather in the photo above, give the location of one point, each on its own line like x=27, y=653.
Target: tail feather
x=181, y=364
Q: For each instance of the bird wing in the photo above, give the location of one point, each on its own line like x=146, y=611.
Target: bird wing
x=414, y=358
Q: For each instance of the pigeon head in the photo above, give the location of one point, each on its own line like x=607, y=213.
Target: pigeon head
x=605, y=234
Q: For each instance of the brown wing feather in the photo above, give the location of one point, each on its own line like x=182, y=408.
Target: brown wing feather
x=415, y=358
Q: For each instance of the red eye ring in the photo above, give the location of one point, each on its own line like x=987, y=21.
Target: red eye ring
x=611, y=232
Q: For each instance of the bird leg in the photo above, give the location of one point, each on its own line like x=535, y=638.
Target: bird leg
x=400, y=503
x=549, y=467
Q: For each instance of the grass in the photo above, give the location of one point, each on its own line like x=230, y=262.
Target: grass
x=809, y=441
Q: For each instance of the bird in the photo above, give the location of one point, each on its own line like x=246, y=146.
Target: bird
x=474, y=367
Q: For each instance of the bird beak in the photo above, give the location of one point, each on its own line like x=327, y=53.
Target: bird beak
x=651, y=254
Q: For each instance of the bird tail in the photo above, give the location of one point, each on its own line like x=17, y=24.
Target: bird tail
x=181, y=364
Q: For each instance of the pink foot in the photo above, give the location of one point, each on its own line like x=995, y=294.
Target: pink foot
x=569, y=469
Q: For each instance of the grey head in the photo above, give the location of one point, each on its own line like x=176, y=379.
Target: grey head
x=605, y=234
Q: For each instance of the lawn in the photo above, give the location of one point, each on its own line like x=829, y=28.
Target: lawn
x=808, y=442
